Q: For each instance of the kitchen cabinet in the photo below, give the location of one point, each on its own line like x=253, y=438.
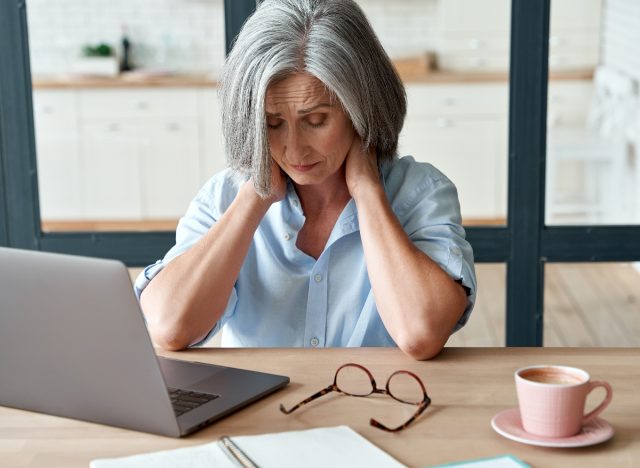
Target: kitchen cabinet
x=170, y=167
x=142, y=154
x=57, y=146
x=462, y=131
x=212, y=142
x=121, y=154
x=111, y=151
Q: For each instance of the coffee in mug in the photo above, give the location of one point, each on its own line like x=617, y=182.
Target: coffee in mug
x=552, y=399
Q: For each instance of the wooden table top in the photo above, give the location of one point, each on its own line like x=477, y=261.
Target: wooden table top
x=468, y=386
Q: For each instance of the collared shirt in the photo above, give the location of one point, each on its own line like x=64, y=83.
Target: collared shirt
x=284, y=297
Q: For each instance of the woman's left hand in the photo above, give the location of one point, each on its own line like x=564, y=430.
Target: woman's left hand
x=361, y=169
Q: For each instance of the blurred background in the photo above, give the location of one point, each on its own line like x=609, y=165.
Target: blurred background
x=128, y=128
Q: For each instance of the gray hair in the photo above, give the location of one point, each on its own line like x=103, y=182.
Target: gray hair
x=329, y=39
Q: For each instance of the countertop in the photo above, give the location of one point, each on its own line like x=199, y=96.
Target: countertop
x=408, y=75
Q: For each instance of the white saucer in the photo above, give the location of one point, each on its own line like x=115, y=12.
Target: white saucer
x=507, y=423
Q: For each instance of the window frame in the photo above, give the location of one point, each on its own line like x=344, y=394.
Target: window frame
x=525, y=244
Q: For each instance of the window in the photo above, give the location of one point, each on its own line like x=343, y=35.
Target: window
x=525, y=243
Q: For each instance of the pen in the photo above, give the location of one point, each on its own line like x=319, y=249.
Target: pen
x=235, y=454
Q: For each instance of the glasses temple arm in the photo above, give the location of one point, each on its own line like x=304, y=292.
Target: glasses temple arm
x=322, y=392
x=423, y=406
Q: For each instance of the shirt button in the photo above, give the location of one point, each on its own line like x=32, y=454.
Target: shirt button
x=314, y=341
x=287, y=236
x=295, y=202
x=317, y=278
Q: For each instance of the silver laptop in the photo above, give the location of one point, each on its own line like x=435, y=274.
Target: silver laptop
x=73, y=343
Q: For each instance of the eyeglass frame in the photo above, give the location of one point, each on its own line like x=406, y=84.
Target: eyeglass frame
x=422, y=405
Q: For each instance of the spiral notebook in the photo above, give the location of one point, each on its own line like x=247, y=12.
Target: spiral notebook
x=328, y=446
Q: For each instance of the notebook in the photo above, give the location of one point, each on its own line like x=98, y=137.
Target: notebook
x=334, y=447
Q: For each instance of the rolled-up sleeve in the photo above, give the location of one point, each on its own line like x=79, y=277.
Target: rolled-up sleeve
x=429, y=212
x=203, y=212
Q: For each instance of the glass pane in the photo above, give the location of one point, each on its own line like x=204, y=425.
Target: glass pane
x=593, y=172
x=486, y=326
x=453, y=57
x=124, y=144
x=592, y=304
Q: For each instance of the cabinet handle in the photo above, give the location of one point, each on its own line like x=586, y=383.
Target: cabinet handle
x=449, y=101
x=443, y=123
x=143, y=105
x=475, y=44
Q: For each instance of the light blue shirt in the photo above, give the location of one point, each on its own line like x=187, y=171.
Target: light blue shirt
x=284, y=297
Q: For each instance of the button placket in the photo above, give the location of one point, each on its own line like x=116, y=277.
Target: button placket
x=316, y=317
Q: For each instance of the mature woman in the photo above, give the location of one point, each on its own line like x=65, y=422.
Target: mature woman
x=318, y=234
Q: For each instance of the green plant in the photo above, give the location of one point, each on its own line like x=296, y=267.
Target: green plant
x=99, y=50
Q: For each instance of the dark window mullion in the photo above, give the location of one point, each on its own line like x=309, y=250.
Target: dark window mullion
x=591, y=243
x=21, y=214
x=527, y=146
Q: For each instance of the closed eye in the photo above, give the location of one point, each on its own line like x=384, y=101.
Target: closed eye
x=273, y=122
x=316, y=120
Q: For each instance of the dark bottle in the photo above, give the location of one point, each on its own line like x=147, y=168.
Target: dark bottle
x=125, y=63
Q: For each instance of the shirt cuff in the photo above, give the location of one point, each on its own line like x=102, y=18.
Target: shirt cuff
x=144, y=278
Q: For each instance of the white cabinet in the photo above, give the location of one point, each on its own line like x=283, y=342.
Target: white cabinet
x=111, y=170
x=170, y=166
x=212, y=141
x=462, y=130
x=124, y=153
x=56, y=131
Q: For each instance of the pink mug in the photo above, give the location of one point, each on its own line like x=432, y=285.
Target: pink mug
x=552, y=399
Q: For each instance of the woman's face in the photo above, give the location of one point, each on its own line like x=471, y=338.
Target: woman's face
x=309, y=135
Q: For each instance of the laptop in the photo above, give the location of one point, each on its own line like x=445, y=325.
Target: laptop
x=73, y=343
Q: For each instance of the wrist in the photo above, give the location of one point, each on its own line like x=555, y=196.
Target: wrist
x=255, y=206
x=367, y=190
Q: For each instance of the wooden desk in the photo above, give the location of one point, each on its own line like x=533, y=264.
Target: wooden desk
x=467, y=385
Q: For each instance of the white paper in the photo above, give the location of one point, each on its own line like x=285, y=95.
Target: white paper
x=334, y=447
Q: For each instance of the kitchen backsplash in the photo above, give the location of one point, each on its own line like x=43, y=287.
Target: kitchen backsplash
x=187, y=35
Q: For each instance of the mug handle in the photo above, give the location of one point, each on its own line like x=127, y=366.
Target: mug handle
x=607, y=399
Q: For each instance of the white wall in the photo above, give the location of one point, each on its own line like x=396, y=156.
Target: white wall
x=188, y=35
x=621, y=36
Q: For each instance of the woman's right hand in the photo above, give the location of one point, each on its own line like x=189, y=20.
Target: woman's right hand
x=278, y=183
x=278, y=186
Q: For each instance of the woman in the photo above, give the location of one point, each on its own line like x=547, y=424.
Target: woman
x=317, y=234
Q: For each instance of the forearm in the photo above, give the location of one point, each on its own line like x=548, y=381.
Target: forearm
x=419, y=303
x=187, y=298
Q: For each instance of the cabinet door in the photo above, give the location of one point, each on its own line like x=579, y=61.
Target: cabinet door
x=111, y=167
x=213, y=156
x=170, y=167
x=470, y=152
x=59, y=176
x=56, y=131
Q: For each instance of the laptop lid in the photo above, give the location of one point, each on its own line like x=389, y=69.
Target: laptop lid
x=73, y=343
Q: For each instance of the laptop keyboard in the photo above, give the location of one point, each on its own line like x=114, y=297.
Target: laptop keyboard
x=187, y=400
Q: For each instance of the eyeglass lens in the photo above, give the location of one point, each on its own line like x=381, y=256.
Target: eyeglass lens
x=356, y=381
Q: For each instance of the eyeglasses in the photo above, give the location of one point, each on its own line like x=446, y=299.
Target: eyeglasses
x=355, y=380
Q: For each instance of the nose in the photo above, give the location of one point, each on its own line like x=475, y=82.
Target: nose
x=295, y=146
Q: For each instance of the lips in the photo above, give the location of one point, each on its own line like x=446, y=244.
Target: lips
x=303, y=167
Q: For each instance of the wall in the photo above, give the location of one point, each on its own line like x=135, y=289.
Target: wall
x=187, y=35
x=181, y=35
x=621, y=36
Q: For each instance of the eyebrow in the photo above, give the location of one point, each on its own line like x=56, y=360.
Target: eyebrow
x=303, y=111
